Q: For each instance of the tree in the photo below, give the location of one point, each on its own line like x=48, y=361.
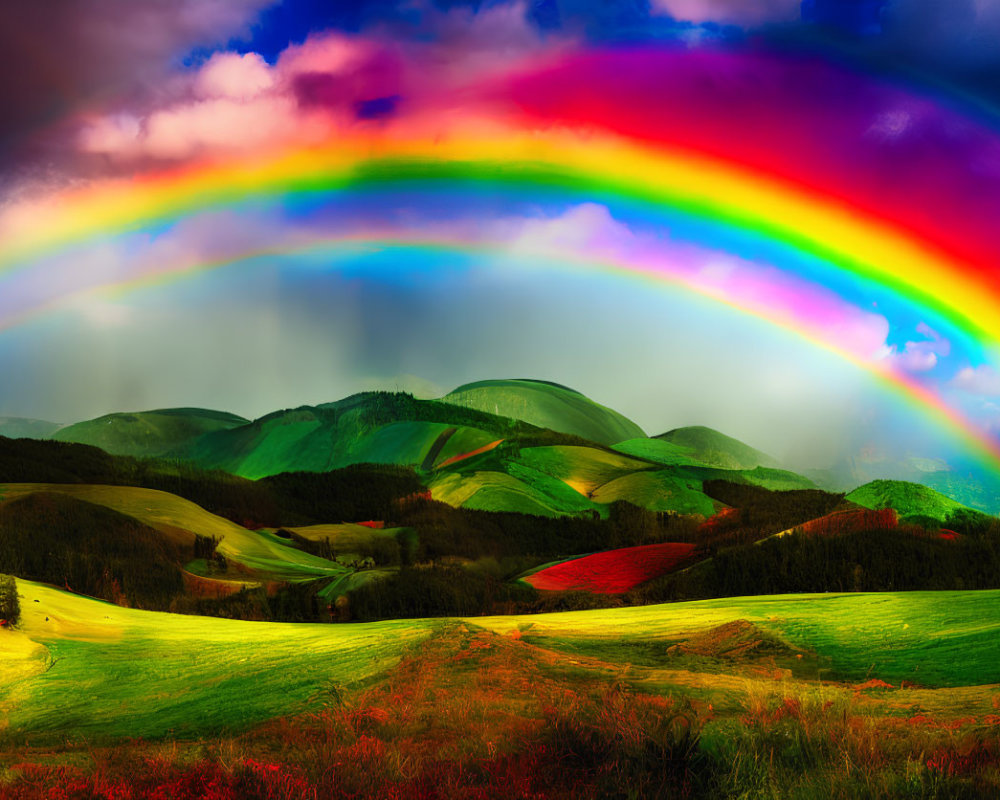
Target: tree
x=10, y=607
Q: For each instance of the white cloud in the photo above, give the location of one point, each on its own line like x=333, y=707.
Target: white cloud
x=982, y=380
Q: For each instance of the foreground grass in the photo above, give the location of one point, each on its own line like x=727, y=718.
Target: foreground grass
x=88, y=669
x=473, y=714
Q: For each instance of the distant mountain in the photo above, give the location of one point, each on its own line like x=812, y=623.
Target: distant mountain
x=22, y=428
x=908, y=499
x=716, y=449
x=547, y=405
x=148, y=433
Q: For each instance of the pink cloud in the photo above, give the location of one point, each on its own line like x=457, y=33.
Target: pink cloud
x=236, y=76
x=734, y=12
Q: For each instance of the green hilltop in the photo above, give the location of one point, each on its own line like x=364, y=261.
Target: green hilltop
x=716, y=449
x=547, y=405
x=908, y=499
x=147, y=433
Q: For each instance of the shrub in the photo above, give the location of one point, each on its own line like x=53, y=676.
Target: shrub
x=10, y=607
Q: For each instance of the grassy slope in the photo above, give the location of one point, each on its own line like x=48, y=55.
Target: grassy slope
x=489, y=490
x=148, y=433
x=714, y=448
x=325, y=438
x=931, y=638
x=100, y=670
x=547, y=406
x=170, y=514
x=906, y=498
x=658, y=490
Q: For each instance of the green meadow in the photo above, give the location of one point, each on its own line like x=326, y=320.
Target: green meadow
x=83, y=668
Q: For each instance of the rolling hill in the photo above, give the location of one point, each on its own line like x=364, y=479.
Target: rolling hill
x=908, y=499
x=179, y=520
x=716, y=449
x=148, y=433
x=547, y=405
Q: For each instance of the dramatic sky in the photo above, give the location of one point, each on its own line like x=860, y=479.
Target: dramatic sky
x=775, y=218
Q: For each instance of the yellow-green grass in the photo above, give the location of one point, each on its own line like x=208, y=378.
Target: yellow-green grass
x=345, y=537
x=491, y=491
x=82, y=668
x=174, y=515
x=928, y=638
x=582, y=468
x=658, y=490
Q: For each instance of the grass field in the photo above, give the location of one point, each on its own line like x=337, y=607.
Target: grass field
x=90, y=668
x=808, y=696
x=927, y=638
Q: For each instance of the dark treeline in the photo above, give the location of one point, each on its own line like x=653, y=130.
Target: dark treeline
x=904, y=559
x=381, y=408
x=352, y=494
x=89, y=549
x=359, y=492
x=443, y=591
x=447, y=531
x=759, y=512
x=291, y=603
x=10, y=605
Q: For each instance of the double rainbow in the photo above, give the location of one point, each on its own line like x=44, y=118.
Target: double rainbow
x=592, y=165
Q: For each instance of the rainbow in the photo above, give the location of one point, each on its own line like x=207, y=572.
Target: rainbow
x=602, y=162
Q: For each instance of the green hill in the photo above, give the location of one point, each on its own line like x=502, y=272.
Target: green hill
x=22, y=428
x=179, y=520
x=908, y=499
x=148, y=433
x=547, y=405
x=716, y=449
x=373, y=427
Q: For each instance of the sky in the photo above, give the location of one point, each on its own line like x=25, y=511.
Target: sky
x=773, y=218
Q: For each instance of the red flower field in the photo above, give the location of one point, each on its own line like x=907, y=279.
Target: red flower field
x=613, y=571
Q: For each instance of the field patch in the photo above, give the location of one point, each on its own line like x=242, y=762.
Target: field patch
x=613, y=571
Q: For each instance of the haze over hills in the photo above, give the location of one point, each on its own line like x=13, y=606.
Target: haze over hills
x=497, y=444
x=20, y=427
